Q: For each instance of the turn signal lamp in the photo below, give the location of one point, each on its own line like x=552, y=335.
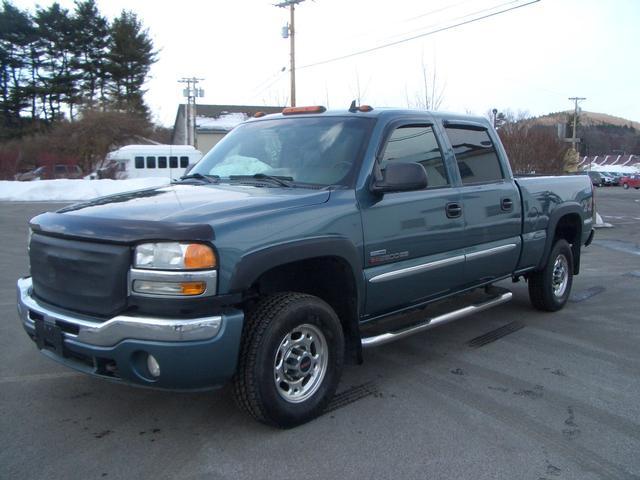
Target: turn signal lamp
x=151, y=287
x=313, y=109
x=199, y=256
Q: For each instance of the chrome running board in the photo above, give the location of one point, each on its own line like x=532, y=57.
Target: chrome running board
x=436, y=321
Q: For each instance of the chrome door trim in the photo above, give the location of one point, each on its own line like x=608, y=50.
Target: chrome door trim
x=404, y=272
x=424, y=267
x=490, y=251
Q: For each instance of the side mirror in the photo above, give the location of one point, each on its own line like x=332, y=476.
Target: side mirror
x=401, y=177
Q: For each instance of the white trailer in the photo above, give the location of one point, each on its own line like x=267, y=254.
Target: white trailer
x=141, y=161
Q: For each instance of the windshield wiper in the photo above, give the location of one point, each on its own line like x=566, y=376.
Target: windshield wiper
x=199, y=176
x=280, y=180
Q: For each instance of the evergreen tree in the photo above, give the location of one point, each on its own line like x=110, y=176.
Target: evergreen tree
x=92, y=44
x=57, y=33
x=130, y=58
x=15, y=36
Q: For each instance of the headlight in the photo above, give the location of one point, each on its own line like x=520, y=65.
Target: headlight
x=174, y=256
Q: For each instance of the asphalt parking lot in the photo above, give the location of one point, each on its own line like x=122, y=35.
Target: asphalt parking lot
x=542, y=396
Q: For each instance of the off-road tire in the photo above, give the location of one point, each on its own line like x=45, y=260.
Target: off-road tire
x=265, y=326
x=541, y=283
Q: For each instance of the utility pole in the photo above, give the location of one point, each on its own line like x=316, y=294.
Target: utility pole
x=574, y=139
x=291, y=33
x=191, y=93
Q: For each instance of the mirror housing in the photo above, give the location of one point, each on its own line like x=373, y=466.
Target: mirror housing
x=401, y=177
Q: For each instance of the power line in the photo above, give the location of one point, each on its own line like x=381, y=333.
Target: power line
x=438, y=30
x=460, y=17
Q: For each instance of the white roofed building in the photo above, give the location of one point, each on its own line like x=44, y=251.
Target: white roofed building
x=213, y=122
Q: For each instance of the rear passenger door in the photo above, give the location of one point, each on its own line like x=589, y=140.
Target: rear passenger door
x=413, y=245
x=490, y=203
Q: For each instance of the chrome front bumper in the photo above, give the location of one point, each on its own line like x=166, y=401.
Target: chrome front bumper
x=106, y=333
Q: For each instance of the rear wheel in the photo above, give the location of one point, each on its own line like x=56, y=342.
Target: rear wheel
x=549, y=288
x=625, y=186
x=290, y=360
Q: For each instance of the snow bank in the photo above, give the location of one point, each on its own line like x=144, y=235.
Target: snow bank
x=70, y=190
x=635, y=168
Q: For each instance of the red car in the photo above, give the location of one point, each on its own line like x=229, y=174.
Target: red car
x=630, y=181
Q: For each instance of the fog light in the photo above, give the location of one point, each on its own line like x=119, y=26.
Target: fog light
x=153, y=366
x=169, y=288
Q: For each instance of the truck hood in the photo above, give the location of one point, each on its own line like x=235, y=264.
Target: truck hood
x=173, y=212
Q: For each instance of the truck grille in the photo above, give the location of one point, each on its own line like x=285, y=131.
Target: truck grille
x=82, y=276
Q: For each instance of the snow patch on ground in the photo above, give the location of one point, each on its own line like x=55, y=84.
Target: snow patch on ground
x=71, y=190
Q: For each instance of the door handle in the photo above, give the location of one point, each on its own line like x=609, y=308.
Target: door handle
x=454, y=210
x=506, y=204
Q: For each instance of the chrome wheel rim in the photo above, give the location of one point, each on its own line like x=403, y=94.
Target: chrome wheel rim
x=560, y=277
x=300, y=363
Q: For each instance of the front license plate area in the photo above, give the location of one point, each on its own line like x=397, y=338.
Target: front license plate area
x=49, y=337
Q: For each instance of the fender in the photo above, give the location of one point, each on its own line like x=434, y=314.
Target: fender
x=255, y=263
x=554, y=218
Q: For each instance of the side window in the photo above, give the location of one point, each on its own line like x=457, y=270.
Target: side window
x=184, y=162
x=417, y=143
x=139, y=162
x=151, y=162
x=173, y=162
x=162, y=162
x=476, y=155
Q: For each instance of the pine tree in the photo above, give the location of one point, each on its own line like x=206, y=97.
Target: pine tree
x=15, y=36
x=130, y=58
x=57, y=33
x=92, y=43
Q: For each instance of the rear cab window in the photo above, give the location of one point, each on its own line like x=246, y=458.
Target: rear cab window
x=476, y=155
x=418, y=144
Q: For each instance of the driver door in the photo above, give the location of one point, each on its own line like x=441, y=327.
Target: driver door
x=414, y=247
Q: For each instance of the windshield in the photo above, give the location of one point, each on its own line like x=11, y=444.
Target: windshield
x=319, y=151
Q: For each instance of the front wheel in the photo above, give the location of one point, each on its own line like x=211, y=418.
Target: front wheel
x=290, y=359
x=625, y=186
x=549, y=288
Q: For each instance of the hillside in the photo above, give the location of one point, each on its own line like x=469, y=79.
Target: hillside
x=588, y=119
x=601, y=134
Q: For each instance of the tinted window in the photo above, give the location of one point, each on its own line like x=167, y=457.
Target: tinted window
x=61, y=169
x=173, y=162
x=417, y=143
x=184, y=162
x=151, y=162
x=476, y=155
x=139, y=162
x=162, y=162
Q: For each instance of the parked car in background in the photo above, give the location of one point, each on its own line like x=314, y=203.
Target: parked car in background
x=630, y=181
x=608, y=180
x=596, y=179
x=45, y=172
x=616, y=177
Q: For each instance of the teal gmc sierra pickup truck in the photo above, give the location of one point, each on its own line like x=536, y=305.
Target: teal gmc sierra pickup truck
x=298, y=240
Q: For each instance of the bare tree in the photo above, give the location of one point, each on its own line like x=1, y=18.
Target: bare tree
x=532, y=148
x=432, y=94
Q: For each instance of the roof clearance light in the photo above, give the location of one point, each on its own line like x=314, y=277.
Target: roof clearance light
x=313, y=109
x=259, y=114
x=365, y=108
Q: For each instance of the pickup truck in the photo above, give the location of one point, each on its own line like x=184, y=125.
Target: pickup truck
x=298, y=240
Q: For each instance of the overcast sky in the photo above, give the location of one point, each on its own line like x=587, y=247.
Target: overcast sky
x=531, y=59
